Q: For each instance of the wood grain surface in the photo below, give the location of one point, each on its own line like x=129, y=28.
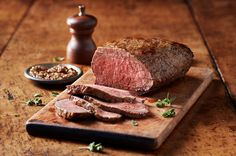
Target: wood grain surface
x=11, y=16
x=151, y=131
x=217, y=21
x=208, y=129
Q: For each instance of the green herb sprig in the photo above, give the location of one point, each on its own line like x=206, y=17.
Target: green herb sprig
x=169, y=113
x=93, y=147
x=58, y=59
x=36, y=101
x=164, y=102
x=54, y=93
x=134, y=123
x=37, y=95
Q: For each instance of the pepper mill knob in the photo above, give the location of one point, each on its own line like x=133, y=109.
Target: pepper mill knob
x=81, y=47
x=81, y=10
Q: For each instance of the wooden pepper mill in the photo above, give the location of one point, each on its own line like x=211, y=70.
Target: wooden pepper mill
x=81, y=47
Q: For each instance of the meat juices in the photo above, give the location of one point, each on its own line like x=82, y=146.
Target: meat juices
x=140, y=65
x=102, y=92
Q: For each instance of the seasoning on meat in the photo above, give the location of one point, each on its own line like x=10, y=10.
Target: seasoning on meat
x=69, y=110
x=133, y=110
x=98, y=113
x=57, y=72
x=140, y=65
x=106, y=93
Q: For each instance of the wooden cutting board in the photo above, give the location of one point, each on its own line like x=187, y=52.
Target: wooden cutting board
x=150, y=133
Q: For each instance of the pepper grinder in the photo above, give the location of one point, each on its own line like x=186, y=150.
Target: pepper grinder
x=81, y=46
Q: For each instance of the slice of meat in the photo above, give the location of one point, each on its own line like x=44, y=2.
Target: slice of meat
x=133, y=110
x=98, y=113
x=140, y=65
x=106, y=116
x=106, y=93
x=69, y=110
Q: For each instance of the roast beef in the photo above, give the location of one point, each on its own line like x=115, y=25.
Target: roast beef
x=98, y=113
x=106, y=93
x=69, y=110
x=140, y=65
x=133, y=110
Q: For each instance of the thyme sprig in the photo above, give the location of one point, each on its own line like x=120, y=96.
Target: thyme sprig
x=37, y=95
x=93, y=147
x=36, y=101
x=166, y=101
x=58, y=59
x=54, y=93
x=169, y=113
x=134, y=123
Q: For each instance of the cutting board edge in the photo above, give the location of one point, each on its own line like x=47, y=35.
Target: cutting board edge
x=191, y=101
x=36, y=129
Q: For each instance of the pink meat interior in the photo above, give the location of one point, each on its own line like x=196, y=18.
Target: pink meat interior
x=117, y=68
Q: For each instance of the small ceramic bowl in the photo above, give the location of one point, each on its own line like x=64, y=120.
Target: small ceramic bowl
x=49, y=65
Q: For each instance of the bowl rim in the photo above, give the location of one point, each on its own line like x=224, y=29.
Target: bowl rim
x=66, y=80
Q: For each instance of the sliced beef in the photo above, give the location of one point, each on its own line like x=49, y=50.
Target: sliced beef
x=69, y=110
x=106, y=93
x=106, y=116
x=133, y=110
x=140, y=65
x=98, y=113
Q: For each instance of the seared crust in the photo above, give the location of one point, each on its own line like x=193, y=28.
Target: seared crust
x=103, y=92
x=98, y=113
x=69, y=110
x=137, y=46
x=146, y=63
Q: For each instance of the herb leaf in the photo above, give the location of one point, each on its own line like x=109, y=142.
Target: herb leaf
x=160, y=103
x=58, y=59
x=37, y=101
x=169, y=113
x=93, y=147
x=54, y=93
x=134, y=123
x=37, y=95
x=30, y=102
x=166, y=101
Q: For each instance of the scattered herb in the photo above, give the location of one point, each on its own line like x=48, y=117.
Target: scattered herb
x=17, y=115
x=165, y=101
x=169, y=113
x=54, y=93
x=9, y=94
x=93, y=147
x=37, y=95
x=134, y=123
x=58, y=59
x=37, y=101
x=30, y=102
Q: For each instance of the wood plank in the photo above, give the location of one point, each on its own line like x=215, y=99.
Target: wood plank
x=203, y=131
x=217, y=21
x=11, y=16
x=151, y=131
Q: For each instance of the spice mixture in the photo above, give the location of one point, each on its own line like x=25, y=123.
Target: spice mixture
x=57, y=72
